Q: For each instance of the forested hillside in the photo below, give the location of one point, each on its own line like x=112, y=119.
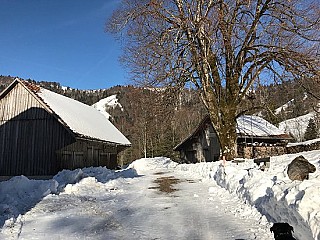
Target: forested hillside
x=156, y=120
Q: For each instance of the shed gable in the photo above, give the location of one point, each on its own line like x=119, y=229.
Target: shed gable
x=29, y=134
x=18, y=100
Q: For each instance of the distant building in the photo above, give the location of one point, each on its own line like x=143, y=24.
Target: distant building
x=256, y=138
x=42, y=132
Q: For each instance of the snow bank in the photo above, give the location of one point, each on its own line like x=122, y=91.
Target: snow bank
x=271, y=192
x=144, y=165
x=19, y=194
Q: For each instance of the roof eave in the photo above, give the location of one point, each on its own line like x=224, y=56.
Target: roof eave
x=87, y=138
x=278, y=137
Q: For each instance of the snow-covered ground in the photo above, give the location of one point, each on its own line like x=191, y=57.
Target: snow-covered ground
x=211, y=201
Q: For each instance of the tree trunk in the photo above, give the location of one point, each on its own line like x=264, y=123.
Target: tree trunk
x=228, y=139
x=226, y=130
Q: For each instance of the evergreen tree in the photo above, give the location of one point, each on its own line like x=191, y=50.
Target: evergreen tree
x=311, y=131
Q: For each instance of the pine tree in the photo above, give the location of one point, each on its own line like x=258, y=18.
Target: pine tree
x=311, y=131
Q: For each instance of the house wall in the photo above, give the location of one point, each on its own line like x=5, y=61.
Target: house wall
x=29, y=135
x=85, y=153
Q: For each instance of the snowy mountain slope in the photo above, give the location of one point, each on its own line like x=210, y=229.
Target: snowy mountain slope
x=106, y=103
x=97, y=202
x=284, y=107
x=296, y=126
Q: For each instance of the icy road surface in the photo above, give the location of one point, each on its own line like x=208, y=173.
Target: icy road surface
x=135, y=208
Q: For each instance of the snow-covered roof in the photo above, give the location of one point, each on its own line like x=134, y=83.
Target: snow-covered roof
x=82, y=119
x=256, y=126
x=248, y=126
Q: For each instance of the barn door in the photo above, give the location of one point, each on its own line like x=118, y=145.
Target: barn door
x=93, y=156
x=104, y=159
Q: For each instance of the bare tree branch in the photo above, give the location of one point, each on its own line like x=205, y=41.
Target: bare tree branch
x=221, y=46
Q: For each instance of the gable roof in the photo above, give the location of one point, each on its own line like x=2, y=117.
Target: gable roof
x=255, y=126
x=247, y=126
x=83, y=120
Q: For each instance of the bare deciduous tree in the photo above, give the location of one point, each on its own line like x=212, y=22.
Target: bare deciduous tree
x=221, y=46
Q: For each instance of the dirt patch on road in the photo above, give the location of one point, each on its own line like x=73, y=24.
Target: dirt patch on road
x=165, y=184
x=160, y=173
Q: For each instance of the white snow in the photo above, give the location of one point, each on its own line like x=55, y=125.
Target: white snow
x=213, y=201
x=109, y=102
x=309, y=142
x=256, y=126
x=285, y=106
x=297, y=126
x=82, y=119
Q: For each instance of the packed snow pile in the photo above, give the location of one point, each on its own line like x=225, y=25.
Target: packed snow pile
x=275, y=195
x=270, y=192
x=20, y=194
x=144, y=165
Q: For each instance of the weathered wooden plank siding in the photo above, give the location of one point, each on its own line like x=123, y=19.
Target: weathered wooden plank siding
x=87, y=153
x=203, y=147
x=25, y=127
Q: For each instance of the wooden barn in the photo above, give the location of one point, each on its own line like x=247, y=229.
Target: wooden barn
x=256, y=138
x=42, y=132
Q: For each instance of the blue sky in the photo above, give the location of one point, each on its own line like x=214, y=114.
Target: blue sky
x=60, y=40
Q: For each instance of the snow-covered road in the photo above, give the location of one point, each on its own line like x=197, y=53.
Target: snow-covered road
x=132, y=207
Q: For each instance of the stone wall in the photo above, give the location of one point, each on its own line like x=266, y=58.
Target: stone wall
x=260, y=151
x=303, y=147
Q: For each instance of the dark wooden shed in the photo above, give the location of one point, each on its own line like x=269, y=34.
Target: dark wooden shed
x=201, y=145
x=256, y=138
x=42, y=132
